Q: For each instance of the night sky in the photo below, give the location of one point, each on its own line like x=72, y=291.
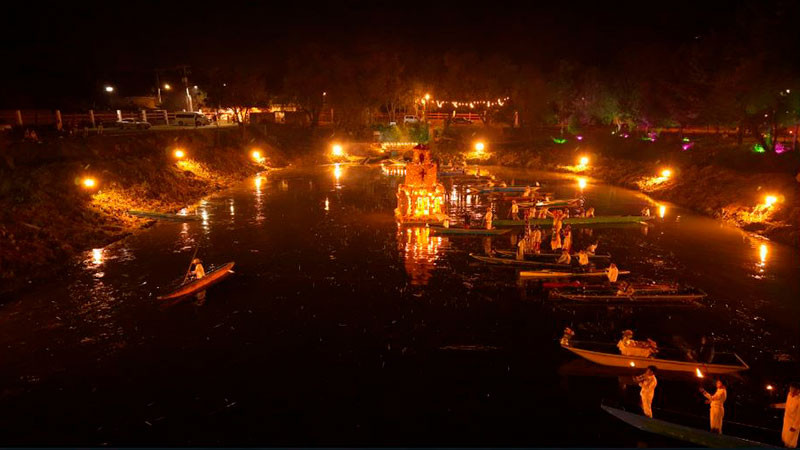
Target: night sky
x=68, y=50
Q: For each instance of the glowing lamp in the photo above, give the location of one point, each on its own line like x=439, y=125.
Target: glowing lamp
x=769, y=387
x=584, y=161
x=179, y=154
x=256, y=155
x=89, y=183
x=662, y=211
x=109, y=89
x=427, y=96
x=770, y=200
x=582, y=183
x=479, y=146
x=698, y=373
x=337, y=150
x=633, y=364
x=666, y=173
x=167, y=87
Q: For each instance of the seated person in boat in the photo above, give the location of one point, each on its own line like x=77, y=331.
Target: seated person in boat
x=568, y=333
x=514, y=210
x=565, y=258
x=583, y=259
x=625, y=289
x=488, y=219
x=527, y=192
x=646, y=212
x=612, y=273
x=591, y=249
x=629, y=347
x=589, y=212
x=198, y=271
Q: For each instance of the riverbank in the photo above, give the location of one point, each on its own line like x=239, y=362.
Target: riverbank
x=698, y=181
x=48, y=214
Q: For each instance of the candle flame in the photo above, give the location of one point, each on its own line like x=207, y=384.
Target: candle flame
x=769, y=387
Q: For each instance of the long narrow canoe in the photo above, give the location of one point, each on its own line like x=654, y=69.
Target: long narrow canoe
x=163, y=216
x=469, y=231
x=597, y=220
x=514, y=262
x=192, y=287
x=490, y=190
x=600, y=353
x=682, y=432
x=635, y=297
x=551, y=256
x=545, y=273
x=558, y=203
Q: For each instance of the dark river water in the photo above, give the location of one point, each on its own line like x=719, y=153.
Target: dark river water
x=339, y=328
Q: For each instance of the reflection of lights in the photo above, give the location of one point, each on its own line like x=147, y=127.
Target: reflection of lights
x=582, y=183
x=327, y=205
x=666, y=173
x=479, y=146
x=662, y=211
x=770, y=200
x=337, y=150
x=179, y=154
x=763, y=251
x=698, y=373
x=89, y=183
x=632, y=364
x=257, y=181
x=337, y=172
x=97, y=256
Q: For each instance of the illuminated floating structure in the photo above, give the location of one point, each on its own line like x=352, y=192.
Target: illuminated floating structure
x=421, y=197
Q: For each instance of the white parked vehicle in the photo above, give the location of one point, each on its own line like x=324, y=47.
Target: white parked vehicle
x=410, y=119
x=191, y=118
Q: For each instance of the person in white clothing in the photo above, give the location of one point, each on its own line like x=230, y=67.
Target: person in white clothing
x=647, y=382
x=717, y=406
x=791, y=416
x=612, y=273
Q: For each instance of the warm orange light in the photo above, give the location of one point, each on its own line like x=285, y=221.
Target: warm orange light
x=337, y=150
x=769, y=387
x=256, y=155
x=584, y=161
x=167, y=87
x=633, y=364
x=97, y=256
x=257, y=182
x=762, y=253
x=337, y=172
x=662, y=211
x=89, y=183
x=770, y=200
x=479, y=146
x=666, y=173
x=180, y=154
x=427, y=96
x=698, y=373
x=582, y=183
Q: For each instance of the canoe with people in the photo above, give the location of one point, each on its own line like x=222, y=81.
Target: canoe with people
x=548, y=273
x=628, y=353
x=513, y=262
x=201, y=281
x=438, y=230
x=550, y=256
x=626, y=293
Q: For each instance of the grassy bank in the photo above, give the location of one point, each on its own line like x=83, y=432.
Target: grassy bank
x=47, y=214
x=716, y=176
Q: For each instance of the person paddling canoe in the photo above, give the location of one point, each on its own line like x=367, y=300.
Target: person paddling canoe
x=198, y=271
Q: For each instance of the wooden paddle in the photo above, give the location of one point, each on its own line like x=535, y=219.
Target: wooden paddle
x=186, y=276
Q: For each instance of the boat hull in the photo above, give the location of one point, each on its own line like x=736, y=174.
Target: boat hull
x=468, y=231
x=163, y=216
x=533, y=274
x=640, y=298
x=517, y=263
x=597, y=220
x=213, y=277
x=627, y=361
x=682, y=432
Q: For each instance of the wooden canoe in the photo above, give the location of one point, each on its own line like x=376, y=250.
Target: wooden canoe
x=491, y=190
x=468, y=231
x=641, y=297
x=551, y=256
x=682, y=432
x=601, y=353
x=597, y=220
x=164, y=216
x=517, y=263
x=545, y=273
x=192, y=287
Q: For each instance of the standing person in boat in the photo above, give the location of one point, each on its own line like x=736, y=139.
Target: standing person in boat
x=514, y=210
x=521, y=244
x=612, y=273
x=488, y=218
x=567, y=245
x=565, y=258
x=537, y=239
x=646, y=211
x=555, y=241
x=791, y=416
x=527, y=192
x=198, y=271
x=467, y=219
x=647, y=382
x=717, y=405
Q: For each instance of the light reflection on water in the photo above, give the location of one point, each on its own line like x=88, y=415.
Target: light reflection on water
x=420, y=251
